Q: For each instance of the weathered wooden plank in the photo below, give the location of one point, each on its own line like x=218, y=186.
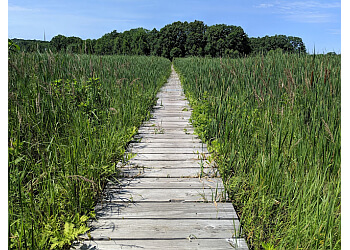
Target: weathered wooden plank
x=115, y=229
x=169, y=172
x=163, y=173
x=182, y=109
x=166, y=130
x=170, y=244
x=175, y=128
x=166, y=183
x=171, y=194
x=166, y=136
x=169, y=157
x=160, y=123
x=165, y=100
x=172, y=100
x=170, y=141
x=171, y=95
x=171, y=115
x=160, y=118
x=163, y=119
x=167, y=150
x=169, y=210
x=174, y=145
x=174, y=106
x=168, y=88
x=169, y=164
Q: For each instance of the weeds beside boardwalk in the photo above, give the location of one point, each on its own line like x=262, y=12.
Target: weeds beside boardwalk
x=274, y=122
x=70, y=118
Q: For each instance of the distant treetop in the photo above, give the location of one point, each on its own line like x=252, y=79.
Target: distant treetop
x=179, y=39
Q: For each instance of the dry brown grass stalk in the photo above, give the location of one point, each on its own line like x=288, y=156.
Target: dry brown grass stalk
x=37, y=103
x=79, y=177
x=328, y=130
x=257, y=97
x=133, y=81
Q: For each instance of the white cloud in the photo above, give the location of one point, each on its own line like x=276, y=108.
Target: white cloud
x=309, y=17
x=303, y=11
x=264, y=5
x=21, y=9
x=334, y=31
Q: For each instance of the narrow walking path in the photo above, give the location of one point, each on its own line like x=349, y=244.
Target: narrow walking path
x=170, y=196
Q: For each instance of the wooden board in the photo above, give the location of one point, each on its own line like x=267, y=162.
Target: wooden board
x=168, y=157
x=171, y=141
x=115, y=229
x=178, y=136
x=168, y=173
x=166, y=183
x=169, y=210
x=172, y=145
x=170, y=244
x=166, y=130
x=167, y=101
x=176, y=107
x=172, y=112
x=167, y=164
x=158, y=118
x=167, y=114
x=159, y=123
x=171, y=101
x=171, y=194
x=168, y=150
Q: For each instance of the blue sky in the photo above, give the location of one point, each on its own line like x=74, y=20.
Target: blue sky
x=317, y=22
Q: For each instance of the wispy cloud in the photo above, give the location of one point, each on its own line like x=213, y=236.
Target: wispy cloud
x=21, y=9
x=334, y=31
x=302, y=11
x=264, y=5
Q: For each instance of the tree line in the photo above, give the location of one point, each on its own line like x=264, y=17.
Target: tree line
x=179, y=39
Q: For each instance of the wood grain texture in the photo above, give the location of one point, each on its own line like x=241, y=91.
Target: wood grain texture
x=115, y=229
x=168, y=210
x=171, y=244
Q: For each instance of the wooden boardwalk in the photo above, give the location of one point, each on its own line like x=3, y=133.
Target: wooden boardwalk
x=171, y=196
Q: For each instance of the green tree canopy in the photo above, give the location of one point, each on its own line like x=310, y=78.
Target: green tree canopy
x=286, y=43
x=178, y=39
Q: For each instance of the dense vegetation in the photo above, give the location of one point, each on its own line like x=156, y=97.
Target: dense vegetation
x=274, y=123
x=33, y=45
x=178, y=39
x=70, y=119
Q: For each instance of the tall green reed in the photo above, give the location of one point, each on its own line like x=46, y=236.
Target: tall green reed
x=274, y=123
x=70, y=119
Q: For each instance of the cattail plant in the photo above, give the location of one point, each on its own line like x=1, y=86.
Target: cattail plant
x=274, y=123
x=69, y=124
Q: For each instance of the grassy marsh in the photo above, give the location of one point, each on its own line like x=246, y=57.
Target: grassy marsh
x=274, y=123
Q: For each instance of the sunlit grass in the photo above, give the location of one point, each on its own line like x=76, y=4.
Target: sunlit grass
x=70, y=119
x=274, y=122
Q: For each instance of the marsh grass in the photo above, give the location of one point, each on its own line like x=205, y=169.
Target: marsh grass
x=70, y=120
x=274, y=123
